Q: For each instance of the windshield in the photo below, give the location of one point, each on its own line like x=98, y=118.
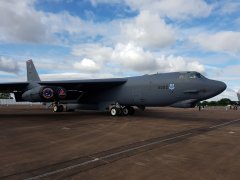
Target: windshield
x=190, y=75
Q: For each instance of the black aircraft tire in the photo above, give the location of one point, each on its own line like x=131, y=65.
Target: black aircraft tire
x=55, y=108
x=60, y=108
x=125, y=111
x=114, y=111
x=119, y=111
x=131, y=110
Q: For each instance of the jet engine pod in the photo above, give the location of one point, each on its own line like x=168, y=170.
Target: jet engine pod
x=44, y=94
x=39, y=94
x=47, y=92
x=55, y=93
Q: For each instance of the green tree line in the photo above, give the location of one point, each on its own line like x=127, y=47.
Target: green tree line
x=221, y=102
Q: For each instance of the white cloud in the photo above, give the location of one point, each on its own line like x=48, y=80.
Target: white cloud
x=57, y=1
x=20, y=22
x=96, y=2
x=175, y=9
x=138, y=59
x=133, y=57
x=228, y=93
x=237, y=21
x=227, y=73
x=23, y=23
x=229, y=7
x=134, y=44
x=74, y=76
x=8, y=65
x=171, y=64
x=86, y=65
x=225, y=41
x=232, y=71
x=62, y=22
x=97, y=52
x=148, y=30
x=127, y=55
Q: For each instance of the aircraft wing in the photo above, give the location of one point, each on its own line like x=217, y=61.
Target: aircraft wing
x=13, y=86
x=86, y=85
x=80, y=85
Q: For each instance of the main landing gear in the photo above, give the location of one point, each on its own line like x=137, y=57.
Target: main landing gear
x=118, y=110
x=58, y=107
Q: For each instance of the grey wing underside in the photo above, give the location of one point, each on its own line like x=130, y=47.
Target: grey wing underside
x=14, y=86
x=80, y=85
x=87, y=85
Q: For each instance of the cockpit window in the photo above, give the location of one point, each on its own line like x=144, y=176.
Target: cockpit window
x=190, y=75
x=198, y=75
x=181, y=76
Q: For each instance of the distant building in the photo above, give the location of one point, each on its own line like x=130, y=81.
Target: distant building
x=9, y=99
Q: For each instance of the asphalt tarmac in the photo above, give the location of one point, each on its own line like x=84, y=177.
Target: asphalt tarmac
x=159, y=143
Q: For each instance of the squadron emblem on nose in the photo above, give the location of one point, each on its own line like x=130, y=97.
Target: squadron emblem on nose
x=171, y=87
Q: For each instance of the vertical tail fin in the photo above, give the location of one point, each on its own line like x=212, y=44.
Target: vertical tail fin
x=32, y=75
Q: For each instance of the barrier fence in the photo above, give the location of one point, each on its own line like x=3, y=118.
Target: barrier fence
x=13, y=102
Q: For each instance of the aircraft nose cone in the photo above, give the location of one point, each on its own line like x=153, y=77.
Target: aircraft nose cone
x=215, y=88
x=220, y=86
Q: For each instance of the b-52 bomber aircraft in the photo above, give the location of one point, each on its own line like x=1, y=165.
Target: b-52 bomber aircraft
x=119, y=96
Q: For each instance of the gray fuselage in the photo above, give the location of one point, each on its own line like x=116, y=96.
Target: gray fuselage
x=179, y=89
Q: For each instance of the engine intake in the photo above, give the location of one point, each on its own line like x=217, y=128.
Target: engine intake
x=47, y=93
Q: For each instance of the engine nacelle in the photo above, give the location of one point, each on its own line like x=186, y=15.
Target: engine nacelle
x=191, y=103
x=44, y=94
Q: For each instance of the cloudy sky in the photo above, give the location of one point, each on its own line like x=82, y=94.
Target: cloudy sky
x=76, y=39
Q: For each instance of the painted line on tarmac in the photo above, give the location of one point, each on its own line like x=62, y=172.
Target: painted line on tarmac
x=224, y=124
x=103, y=158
